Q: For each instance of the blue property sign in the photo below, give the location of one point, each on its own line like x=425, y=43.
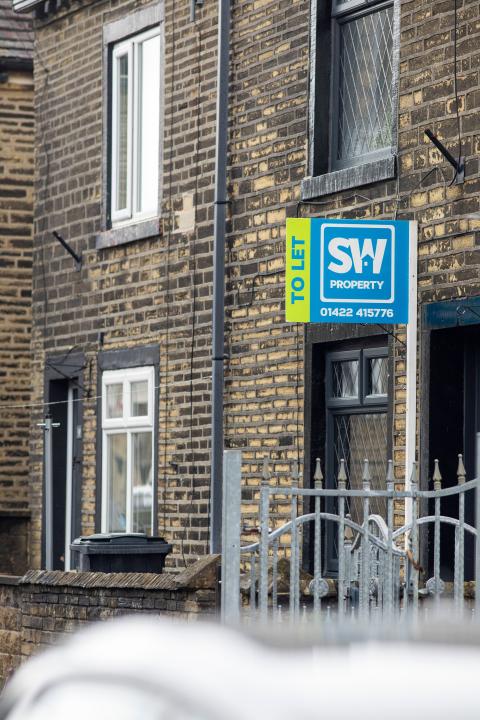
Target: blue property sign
x=352, y=271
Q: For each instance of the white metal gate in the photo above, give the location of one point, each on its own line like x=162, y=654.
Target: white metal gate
x=378, y=563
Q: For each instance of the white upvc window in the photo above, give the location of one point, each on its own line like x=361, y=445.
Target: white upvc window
x=127, y=450
x=135, y=128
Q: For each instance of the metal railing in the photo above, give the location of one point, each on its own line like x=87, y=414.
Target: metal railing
x=378, y=563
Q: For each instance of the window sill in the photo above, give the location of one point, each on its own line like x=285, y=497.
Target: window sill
x=314, y=187
x=127, y=234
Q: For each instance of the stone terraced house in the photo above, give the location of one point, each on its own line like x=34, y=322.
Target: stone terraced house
x=16, y=232
x=329, y=101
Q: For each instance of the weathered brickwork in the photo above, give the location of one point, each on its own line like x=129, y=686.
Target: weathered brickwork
x=144, y=292
x=41, y=607
x=10, y=627
x=448, y=234
x=159, y=290
x=14, y=541
x=448, y=264
x=16, y=237
x=16, y=226
x=138, y=293
x=264, y=373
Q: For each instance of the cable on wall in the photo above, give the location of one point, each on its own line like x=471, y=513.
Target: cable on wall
x=41, y=403
x=46, y=183
x=167, y=271
x=249, y=302
x=194, y=297
x=322, y=203
x=77, y=383
x=53, y=363
x=455, y=78
x=408, y=195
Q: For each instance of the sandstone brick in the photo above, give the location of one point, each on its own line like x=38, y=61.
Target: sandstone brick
x=16, y=231
x=143, y=292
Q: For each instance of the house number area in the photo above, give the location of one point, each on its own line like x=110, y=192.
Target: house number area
x=360, y=313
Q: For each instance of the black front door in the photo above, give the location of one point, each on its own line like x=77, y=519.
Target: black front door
x=65, y=483
x=454, y=420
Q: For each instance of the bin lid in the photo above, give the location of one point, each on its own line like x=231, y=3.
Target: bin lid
x=119, y=539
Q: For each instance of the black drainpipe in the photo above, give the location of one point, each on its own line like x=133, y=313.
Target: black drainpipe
x=218, y=309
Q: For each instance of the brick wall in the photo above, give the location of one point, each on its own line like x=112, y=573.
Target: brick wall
x=448, y=265
x=10, y=627
x=14, y=537
x=16, y=229
x=138, y=293
x=40, y=608
x=264, y=372
x=269, y=159
x=143, y=292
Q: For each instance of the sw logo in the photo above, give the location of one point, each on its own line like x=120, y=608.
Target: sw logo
x=357, y=263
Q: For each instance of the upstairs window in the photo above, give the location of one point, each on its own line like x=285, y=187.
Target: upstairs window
x=353, y=94
x=135, y=128
x=127, y=447
x=362, y=73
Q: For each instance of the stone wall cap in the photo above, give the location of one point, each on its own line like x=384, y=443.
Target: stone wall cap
x=201, y=574
x=15, y=513
x=10, y=579
x=84, y=580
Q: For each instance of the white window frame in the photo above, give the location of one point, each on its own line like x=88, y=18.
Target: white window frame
x=126, y=424
x=132, y=212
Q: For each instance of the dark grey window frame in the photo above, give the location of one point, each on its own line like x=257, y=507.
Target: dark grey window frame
x=369, y=354
x=322, y=178
x=362, y=355
x=334, y=407
x=148, y=355
x=320, y=341
x=341, y=356
x=114, y=32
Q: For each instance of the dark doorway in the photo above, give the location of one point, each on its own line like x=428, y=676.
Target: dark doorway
x=66, y=438
x=59, y=411
x=350, y=420
x=453, y=422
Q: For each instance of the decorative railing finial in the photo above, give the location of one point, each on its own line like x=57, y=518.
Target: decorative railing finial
x=342, y=475
x=318, y=477
x=437, y=476
x=295, y=472
x=366, y=477
x=265, y=471
x=461, y=473
x=348, y=532
x=413, y=476
x=390, y=477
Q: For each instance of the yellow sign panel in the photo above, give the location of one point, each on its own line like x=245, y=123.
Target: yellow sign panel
x=297, y=277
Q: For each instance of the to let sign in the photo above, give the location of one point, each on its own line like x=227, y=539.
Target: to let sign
x=352, y=271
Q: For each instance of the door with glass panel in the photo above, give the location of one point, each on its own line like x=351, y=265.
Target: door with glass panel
x=127, y=451
x=356, y=428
